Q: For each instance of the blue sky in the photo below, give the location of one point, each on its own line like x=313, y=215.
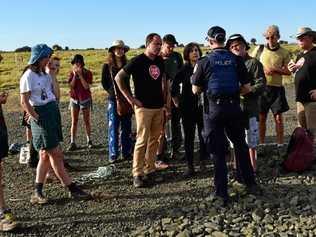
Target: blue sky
x=96, y=23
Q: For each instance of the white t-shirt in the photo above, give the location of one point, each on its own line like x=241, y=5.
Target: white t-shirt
x=40, y=86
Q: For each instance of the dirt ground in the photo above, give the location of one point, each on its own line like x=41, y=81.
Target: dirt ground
x=117, y=208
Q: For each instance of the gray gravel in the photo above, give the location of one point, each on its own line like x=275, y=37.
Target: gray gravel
x=176, y=207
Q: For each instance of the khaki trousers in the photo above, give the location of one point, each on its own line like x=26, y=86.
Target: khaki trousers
x=149, y=125
x=306, y=114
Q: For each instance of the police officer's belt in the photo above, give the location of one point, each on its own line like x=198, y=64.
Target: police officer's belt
x=219, y=99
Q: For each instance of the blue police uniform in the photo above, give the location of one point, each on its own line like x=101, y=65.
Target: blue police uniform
x=220, y=75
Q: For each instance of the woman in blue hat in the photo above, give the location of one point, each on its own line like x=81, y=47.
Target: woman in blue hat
x=39, y=101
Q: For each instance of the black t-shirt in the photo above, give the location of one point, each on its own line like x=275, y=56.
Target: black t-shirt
x=305, y=76
x=188, y=101
x=203, y=70
x=147, y=77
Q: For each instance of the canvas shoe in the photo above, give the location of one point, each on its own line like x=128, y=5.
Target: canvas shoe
x=38, y=198
x=7, y=221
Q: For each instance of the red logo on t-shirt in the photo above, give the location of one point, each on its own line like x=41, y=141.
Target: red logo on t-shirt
x=154, y=71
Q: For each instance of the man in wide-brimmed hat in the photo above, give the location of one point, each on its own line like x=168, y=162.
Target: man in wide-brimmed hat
x=304, y=68
x=237, y=44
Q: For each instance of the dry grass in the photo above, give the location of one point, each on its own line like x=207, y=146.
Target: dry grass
x=13, y=64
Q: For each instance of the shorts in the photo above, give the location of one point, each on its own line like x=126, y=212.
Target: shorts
x=47, y=131
x=273, y=98
x=24, y=121
x=75, y=104
x=252, y=133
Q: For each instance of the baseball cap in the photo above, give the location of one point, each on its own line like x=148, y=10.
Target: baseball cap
x=216, y=33
x=169, y=38
x=305, y=31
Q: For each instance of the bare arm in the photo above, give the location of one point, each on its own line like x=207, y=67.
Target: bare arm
x=84, y=83
x=73, y=81
x=55, y=85
x=27, y=106
x=119, y=79
x=56, y=88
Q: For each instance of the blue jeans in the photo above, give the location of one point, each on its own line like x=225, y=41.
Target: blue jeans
x=116, y=122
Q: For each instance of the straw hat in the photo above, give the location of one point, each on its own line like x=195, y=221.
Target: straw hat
x=120, y=44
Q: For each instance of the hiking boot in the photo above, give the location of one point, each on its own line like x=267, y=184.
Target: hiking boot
x=7, y=221
x=138, y=182
x=38, y=198
x=79, y=194
x=72, y=147
x=89, y=145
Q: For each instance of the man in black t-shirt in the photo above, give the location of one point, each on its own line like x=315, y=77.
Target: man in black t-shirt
x=304, y=68
x=149, y=98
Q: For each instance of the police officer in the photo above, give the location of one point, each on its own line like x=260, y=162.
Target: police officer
x=222, y=77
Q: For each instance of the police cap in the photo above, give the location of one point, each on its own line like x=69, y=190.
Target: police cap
x=216, y=33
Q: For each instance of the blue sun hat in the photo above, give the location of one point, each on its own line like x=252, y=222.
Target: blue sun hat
x=38, y=52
